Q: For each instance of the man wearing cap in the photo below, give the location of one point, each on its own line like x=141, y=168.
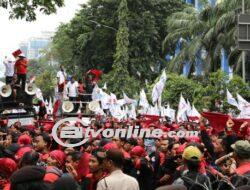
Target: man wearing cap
x=192, y=178
x=21, y=70
x=242, y=157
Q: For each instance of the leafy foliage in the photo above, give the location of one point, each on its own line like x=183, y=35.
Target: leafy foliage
x=119, y=77
x=176, y=85
x=210, y=30
x=45, y=76
x=203, y=92
x=89, y=40
x=27, y=9
x=46, y=82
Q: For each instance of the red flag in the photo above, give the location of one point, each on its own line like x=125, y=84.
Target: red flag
x=193, y=118
x=217, y=120
x=147, y=120
x=17, y=53
x=56, y=108
x=238, y=123
x=97, y=73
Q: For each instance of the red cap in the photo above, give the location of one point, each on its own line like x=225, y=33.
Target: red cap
x=107, y=125
x=181, y=148
x=7, y=166
x=138, y=151
x=31, y=127
x=48, y=127
x=59, y=156
x=110, y=146
x=193, y=139
x=24, y=140
x=175, y=126
x=22, y=151
x=4, y=122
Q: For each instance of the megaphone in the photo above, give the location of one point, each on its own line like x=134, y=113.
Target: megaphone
x=94, y=106
x=30, y=89
x=67, y=106
x=5, y=91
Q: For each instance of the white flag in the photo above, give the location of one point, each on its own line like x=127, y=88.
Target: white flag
x=113, y=99
x=158, y=88
x=244, y=107
x=126, y=112
x=100, y=112
x=50, y=106
x=182, y=108
x=132, y=112
x=97, y=93
x=189, y=108
x=39, y=94
x=143, y=99
x=231, y=100
x=242, y=102
x=116, y=111
x=105, y=101
x=104, y=86
x=170, y=113
x=194, y=114
x=153, y=110
x=121, y=102
x=128, y=100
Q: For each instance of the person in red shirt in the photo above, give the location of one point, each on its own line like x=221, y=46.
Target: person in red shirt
x=81, y=90
x=41, y=144
x=96, y=170
x=7, y=167
x=21, y=70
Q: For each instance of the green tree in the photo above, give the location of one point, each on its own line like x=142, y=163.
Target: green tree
x=62, y=47
x=28, y=9
x=45, y=75
x=214, y=88
x=211, y=30
x=93, y=45
x=121, y=57
x=119, y=75
x=177, y=85
x=203, y=92
x=46, y=82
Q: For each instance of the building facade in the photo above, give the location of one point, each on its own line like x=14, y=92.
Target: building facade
x=199, y=64
x=35, y=46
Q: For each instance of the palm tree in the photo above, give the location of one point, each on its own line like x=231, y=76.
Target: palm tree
x=212, y=29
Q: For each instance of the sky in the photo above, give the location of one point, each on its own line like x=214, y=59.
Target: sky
x=13, y=32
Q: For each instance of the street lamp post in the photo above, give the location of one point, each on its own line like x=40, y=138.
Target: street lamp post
x=103, y=25
x=243, y=52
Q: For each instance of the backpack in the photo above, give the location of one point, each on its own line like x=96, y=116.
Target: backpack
x=240, y=180
x=194, y=184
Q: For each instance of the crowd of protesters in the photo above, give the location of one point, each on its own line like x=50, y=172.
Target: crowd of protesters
x=31, y=160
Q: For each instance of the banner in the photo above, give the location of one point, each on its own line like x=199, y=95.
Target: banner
x=217, y=120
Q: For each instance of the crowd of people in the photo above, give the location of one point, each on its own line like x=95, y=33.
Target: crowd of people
x=31, y=159
x=67, y=88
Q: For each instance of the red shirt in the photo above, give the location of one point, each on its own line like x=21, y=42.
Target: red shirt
x=21, y=66
x=93, y=181
x=80, y=88
x=243, y=168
